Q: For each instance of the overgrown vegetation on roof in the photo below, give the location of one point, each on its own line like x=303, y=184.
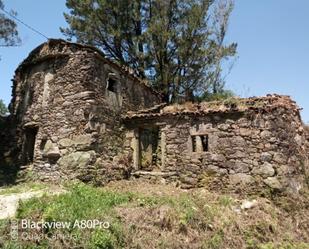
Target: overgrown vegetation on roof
x=223, y=105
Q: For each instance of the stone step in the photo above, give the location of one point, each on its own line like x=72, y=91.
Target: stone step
x=153, y=173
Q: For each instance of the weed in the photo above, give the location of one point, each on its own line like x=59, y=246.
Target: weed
x=283, y=246
x=215, y=242
x=81, y=202
x=14, y=189
x=225, y=201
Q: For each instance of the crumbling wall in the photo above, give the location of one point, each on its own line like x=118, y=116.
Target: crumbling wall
x=251, y=150
x=66, y=119
x=60, y=96
x=8, y=169
x=306, y=128
x=246, y=149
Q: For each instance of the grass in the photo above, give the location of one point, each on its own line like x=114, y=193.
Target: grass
x=82, y=202
x=143, y=215
x=20, y=188
x=283, y=246
x=215, y=242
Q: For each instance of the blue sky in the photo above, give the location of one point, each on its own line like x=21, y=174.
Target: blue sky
x=272, y=37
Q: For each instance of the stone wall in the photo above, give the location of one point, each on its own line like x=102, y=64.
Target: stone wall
x=75, y=114
x=8, y=150
x=306, y=127
x=249, y=148
x=66, y=113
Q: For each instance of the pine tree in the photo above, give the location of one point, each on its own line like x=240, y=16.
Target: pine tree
x=8, y=29
x=3, y=108
x=176, y=44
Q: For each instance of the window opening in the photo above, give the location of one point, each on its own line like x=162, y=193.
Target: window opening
x=199, y=143
x=112, y=85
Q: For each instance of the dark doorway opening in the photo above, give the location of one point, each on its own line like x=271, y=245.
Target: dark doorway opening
x=29, y=143
x=148, y=146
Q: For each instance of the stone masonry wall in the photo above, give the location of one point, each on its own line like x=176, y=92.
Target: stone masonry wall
x=75, y=114
x=306, y=127
x=60, y=93
x=252, y=150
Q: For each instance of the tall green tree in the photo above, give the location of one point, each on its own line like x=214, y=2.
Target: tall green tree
x=8, y=37
x=3, y=108
x=177, y=44
x=8, y=29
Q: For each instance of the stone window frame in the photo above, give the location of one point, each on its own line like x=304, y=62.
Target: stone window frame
x=135, y=145
x=199, y=142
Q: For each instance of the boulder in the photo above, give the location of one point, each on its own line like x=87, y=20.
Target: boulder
x=240, y=167
x=77, y=160
x=51, y=150
x=82, y=141
x=280, y=158
x=265, y=170
x=244, y=132
x=248, y=204
x=273, y=183
x=65, y=142
x=266, y=157
x=266, y=134
x=241, y=178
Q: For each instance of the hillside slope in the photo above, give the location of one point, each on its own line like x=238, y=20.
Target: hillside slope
x=145, y=215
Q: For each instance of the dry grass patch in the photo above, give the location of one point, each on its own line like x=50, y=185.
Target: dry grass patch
x=145, y=215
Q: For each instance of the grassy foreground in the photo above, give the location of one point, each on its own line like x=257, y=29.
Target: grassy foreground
x=143, y=215
x=22, y=188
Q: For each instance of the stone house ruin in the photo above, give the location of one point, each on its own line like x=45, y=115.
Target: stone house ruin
x=76, y=114
x=250, y=142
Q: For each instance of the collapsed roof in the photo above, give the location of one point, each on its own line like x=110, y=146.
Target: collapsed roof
x=235, y=104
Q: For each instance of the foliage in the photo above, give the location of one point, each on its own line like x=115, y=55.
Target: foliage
x=286, y=245
x=8, y=29
x=20, y=188
x=67, y=206
x=178, y=45
x=215, y=242
x=220, y=95
x=3, y=108
x=81, y=202
x=159, y=216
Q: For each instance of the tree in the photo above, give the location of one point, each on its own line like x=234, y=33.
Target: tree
x=3, y=108
x=8, y=29
x=176, y=44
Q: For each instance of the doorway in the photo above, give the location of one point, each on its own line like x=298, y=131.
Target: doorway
x=29, y=144
x=148, y=146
